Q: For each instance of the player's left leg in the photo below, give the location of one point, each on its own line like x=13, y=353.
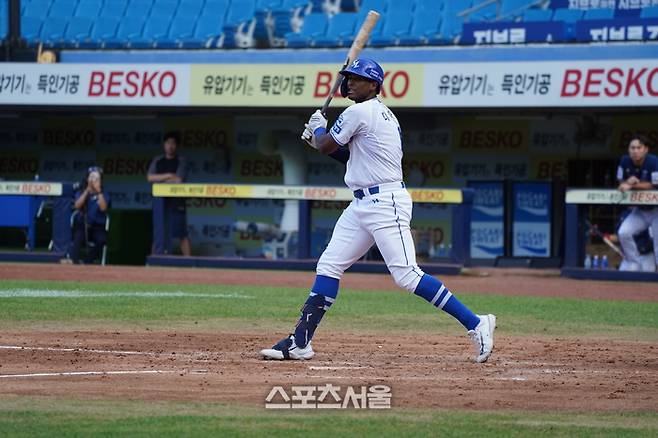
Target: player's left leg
x=348, y=243
x=397, y=247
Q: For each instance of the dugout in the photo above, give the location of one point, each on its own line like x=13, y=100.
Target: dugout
x=531, y=113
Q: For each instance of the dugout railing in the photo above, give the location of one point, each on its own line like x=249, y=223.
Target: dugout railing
x=575, y=231
x=461, y=201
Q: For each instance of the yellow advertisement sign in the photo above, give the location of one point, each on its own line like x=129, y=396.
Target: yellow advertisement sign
x=435, y=196
x=293, y=85
x=478, y=136
x=203, y=190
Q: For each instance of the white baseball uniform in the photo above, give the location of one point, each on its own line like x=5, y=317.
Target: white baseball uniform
x=381, y=210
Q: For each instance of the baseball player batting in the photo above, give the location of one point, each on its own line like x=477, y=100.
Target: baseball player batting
x=367, y=137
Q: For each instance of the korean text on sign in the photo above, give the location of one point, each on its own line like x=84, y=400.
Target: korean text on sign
x=226, y=84
x=54, y=84
x=464, y=85
x=276, y=85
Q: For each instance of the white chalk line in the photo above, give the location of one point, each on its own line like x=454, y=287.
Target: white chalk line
x=81, y=350
x=79, y=293
x=316, y=368
x=83, y=373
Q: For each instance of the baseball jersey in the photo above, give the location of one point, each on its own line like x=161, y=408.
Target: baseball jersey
x=373, y=135
x=648, y=172
x=92, y=211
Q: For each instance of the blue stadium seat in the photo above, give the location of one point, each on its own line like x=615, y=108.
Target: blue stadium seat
x=78, y=30
x=314, y=26
x=31, y=29
x=374, y=5
x=287, y=18
x=451, y=23
x=114, y=9
x=62, y=8
x=264, y=18
x=88, y=8
x=485, y=13
x=425, y=27
x=4, y=28
x=129, y=28
x=349, y=5
x=207, y=33
x=240, y=23
x=164, y=9
x=533, y=15
x=239, y=12
x=430, y=5
x=37, y=9
x=52, y=31
x=651, y=12
x=182, y=28
x=155, y=31
x=215, y=8
x=139, y=8
x=569, y=17
x=102, y=30
x=189, y=8
x=396, y=24
x=340, y=31
x=599, y=14
x=400, y=6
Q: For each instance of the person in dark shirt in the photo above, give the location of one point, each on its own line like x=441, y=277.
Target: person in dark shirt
x=91, y=206
x=172, y=168
x=638, y=171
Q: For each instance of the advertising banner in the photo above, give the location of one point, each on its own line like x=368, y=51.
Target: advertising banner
x=487, y=220
x=542, y=84
x=607, y=83
x=292, y=85
x=599, y=196
x=619, y=5
x=513, y=33
x=619, y=29
x=531, y=219
x=92, y=84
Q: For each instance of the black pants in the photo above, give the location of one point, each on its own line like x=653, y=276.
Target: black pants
x=96, y=239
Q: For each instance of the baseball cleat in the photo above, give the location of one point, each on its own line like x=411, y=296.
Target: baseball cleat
x=286, y=349
x=482, y=337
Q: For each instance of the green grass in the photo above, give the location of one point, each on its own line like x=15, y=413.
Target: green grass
x=259, y=307
x=45, y=416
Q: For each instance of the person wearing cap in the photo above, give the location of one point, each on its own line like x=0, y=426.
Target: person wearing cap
x=90, y=217
x=367, y=137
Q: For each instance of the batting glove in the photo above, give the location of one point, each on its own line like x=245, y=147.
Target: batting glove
x=316, y=121
x=307, y=136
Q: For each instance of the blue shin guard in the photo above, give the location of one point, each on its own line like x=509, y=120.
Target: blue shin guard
x=322, y=296
x=312, y=312
x=439, y=296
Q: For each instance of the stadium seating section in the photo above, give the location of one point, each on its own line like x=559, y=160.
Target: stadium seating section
x=196, y=24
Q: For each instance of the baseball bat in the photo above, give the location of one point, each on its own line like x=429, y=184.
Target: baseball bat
x=357, y=45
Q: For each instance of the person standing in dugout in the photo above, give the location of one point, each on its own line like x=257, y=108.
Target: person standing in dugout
x=91, y=205
x=172, y=168
x=367, y=138
x=638, y=171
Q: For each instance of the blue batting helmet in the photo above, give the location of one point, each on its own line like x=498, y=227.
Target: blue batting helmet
x=366, y=68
